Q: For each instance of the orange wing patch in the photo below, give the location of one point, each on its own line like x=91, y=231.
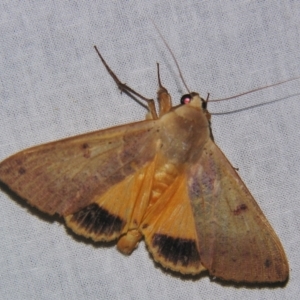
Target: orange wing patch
x=117, y=211
x=169, y=230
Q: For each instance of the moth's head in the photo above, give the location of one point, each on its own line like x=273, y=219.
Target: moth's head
x=193, y=99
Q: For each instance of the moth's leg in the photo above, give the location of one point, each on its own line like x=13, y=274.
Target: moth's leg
x=124, y=88
x=163, y=97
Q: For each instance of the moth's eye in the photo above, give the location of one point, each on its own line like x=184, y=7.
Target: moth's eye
x=186, y=99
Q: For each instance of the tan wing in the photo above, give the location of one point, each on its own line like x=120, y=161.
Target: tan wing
x=65, y=176
x=169, y=230
x=236, y=241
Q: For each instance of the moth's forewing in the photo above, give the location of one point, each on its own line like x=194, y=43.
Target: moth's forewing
x=65, y=176
x=236, y=241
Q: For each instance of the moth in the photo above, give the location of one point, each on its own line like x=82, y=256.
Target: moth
x=162, y=179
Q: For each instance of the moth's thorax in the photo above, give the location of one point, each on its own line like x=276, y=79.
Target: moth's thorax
x=184, y=131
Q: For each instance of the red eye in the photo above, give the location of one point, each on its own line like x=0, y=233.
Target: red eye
x=186, y=99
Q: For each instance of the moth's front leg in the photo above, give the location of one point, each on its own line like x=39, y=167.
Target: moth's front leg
x=163, y=97
x=124, y=88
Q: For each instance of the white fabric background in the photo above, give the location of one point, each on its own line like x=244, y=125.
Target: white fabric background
x=54, y=86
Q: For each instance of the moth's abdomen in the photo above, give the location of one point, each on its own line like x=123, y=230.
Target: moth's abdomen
x=163, y=178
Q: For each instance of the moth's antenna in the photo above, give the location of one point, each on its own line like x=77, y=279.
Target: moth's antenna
x=255, y=90
x=253, y=106
x=173, y=56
